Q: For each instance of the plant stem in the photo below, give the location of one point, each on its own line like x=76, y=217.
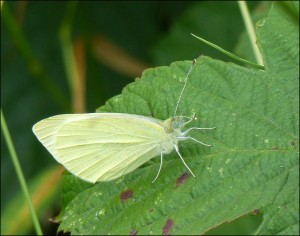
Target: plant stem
x=250, y=30
x=20, y=174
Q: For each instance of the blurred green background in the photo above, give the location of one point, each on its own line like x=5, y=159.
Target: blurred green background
x=104, y=45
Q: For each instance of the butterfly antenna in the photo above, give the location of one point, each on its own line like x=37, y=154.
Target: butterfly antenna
x=186, y=79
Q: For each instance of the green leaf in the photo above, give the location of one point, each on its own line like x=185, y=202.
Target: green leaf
x=252, y=166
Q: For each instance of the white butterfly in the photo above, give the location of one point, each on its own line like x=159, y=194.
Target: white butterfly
x=105, y=146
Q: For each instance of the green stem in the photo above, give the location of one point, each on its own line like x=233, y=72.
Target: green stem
x=250, y=30
x=67, y=47
x=20, y=174
x=66, y=42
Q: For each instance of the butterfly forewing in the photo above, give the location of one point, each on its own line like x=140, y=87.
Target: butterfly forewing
x=101, y=146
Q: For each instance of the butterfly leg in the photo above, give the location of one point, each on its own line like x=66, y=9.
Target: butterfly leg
x=185, y=138
x=177, y=150
x=161, y=161
x=194, y=128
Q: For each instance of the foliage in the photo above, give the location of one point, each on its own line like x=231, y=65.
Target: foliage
x=252, y=166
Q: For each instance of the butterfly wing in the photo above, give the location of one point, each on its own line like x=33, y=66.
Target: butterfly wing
x=101, y=146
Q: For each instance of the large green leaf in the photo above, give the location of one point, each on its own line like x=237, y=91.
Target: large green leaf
x=252, y=166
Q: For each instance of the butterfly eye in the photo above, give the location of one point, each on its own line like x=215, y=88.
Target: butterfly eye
x=176, y=122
